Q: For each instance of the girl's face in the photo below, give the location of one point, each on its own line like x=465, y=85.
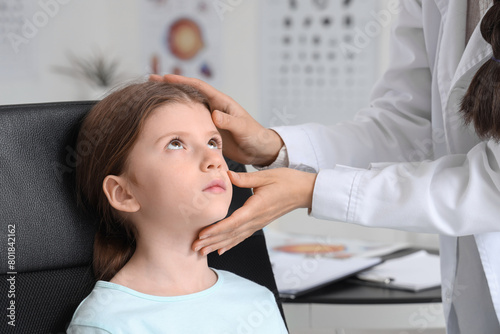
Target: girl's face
x=176, y=170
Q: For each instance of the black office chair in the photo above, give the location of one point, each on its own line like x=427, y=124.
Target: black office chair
x=46, y=241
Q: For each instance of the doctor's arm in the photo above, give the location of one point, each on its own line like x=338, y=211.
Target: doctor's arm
x=455, y=195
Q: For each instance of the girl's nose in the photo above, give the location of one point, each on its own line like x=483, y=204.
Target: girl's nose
x=212, y=160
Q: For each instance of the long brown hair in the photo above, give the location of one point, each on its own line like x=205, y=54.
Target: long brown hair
x=481, y=103
x=105, y=140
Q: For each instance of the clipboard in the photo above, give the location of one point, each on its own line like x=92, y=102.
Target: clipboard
x=413, y=272
x=297, y=275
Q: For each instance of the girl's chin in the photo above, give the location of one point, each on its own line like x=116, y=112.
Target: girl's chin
x=213, y=216
x=204, y=216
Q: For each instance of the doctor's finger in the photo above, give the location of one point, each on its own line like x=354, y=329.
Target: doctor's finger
x=155, y=77
x=226, y=244
x=218, y=100
x=220, y=242
x=235, y=125
x=229, y=227
x=251, y=180
x=228, y=232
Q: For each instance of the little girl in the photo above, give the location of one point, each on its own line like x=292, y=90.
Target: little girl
x=151, y=165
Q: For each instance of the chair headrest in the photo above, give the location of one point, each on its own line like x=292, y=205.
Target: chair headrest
x=37, y=163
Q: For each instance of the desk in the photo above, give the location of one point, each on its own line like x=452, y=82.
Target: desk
x=349, y=308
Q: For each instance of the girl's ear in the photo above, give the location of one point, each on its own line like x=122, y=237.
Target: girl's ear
x=119, y=195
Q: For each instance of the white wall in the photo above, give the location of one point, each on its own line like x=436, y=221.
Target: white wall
x=112, y=26
x=79, y=27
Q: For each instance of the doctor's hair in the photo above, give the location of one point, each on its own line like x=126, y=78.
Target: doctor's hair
x=105, y=140
x=481, y=103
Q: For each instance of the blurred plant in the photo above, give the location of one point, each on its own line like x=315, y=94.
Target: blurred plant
x=96, y=70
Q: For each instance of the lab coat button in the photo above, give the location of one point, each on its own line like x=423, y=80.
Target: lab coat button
x=447, y=295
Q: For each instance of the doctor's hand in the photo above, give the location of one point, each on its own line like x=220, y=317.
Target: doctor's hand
x=245, y=140
x=276, y=192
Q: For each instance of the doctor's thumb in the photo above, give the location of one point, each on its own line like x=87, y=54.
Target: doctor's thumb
x=224, y=121
x=244, y=180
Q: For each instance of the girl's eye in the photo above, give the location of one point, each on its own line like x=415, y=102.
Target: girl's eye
x=175, y=145
x=214, y=143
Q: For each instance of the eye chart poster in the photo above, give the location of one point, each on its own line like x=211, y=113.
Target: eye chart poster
x=319, y=58
x=182, y=37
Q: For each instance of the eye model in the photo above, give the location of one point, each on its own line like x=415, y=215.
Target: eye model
x=184, y=39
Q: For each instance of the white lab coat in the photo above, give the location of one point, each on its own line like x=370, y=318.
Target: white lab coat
x=454, y=188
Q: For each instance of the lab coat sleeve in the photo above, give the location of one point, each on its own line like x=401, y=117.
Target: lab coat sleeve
x=455, y=195
x=397, y=120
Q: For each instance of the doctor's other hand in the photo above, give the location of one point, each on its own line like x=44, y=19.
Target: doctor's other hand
x=276, y=192
x=245, y=140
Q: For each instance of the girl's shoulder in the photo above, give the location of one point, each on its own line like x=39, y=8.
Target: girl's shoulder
x=232, y=281
x=101, y=305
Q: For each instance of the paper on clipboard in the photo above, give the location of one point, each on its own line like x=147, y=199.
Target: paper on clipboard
x=296, y=275
x=414, y=272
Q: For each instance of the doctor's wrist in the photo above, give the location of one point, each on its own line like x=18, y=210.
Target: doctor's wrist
x=271, y=145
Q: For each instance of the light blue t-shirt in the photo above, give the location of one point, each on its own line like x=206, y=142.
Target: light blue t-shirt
x=233, y=305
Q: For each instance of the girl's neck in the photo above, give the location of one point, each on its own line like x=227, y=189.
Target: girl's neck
x=166, y=266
